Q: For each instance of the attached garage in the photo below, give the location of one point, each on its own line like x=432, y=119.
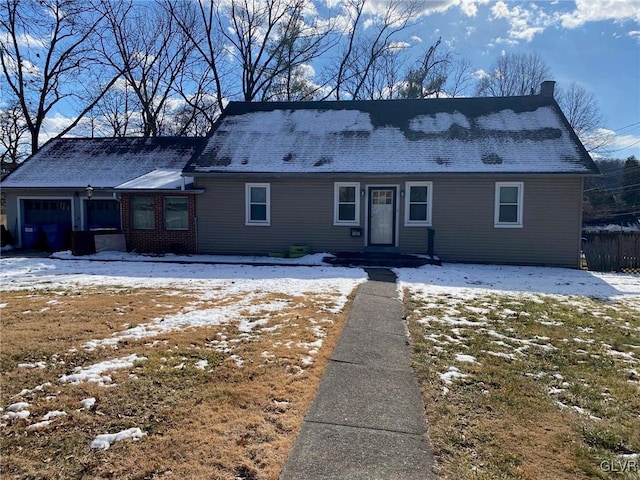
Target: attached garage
x=46, y=223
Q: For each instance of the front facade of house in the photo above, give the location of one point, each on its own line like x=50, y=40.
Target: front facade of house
x=497, y=180
x=475, y=219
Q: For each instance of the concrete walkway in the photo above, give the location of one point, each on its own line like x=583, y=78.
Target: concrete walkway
x=367, y=419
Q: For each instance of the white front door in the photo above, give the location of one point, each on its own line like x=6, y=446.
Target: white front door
x=382, y=213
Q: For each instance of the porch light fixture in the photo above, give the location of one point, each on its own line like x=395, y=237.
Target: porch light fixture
x=362, y=193
x=89, y=191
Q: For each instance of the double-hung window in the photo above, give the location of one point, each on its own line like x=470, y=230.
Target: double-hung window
x=176, y=213
x=508, y=205
x=346, y=205
x=142, y=217
x=257, y=204
x=417, y=207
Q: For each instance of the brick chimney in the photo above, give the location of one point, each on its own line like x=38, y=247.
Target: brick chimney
x=547, y=87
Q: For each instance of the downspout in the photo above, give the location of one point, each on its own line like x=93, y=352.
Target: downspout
x=581, y=213
x=195, y=227
x=118, y=199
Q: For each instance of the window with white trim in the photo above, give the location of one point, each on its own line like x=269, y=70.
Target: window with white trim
x=417, y=206
x=258, y=204
x=346, y=205
x=508, y=205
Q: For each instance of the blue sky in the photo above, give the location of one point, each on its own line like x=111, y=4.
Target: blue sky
x=595, y=43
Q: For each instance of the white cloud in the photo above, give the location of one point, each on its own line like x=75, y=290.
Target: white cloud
x=634, y=34
x=29, y=70
x=623, y=141
x=470, y=7
x=592, y=11
x=53, y=125
x=528, y=20
x=524, y=23
x=24, y=40
x=399, y=45
x=505, y=41
x=425, y=7
x=480, y=74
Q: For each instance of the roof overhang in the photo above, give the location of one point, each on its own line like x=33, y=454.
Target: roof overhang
x=159, y=179
x=320, y=175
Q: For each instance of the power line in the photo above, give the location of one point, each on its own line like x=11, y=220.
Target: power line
x=621, y=214
x=625, y=127
x=626, y=188
x=624, y=148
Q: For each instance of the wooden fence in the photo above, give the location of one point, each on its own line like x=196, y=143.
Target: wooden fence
x=612, y=251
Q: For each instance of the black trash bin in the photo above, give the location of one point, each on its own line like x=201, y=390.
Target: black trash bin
x=82, y=243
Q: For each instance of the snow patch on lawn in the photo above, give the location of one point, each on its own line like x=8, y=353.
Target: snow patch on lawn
x=94, y=373
x=105, y=440
x=449, y=376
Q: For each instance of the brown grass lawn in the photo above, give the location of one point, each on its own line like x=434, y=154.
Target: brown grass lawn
x=551, y=386
x=236, y=417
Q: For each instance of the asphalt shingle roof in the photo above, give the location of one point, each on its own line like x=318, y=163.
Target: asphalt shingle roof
x=456, y=135
x=101, y=162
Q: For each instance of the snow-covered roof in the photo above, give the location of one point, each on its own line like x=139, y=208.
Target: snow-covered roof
x=454, y=135
x=157, y=179
x=101, y=162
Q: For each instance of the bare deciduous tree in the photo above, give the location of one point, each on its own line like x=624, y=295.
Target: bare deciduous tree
x=199, y=23
x=514, y=74
x=12, y=139
x=113, y=114
x=460, y=77
x=370, y=47
x=583, y=113
x=430, y=75
x=296, y=43
x=268, y=39
x=150, y=52
x=44, y=53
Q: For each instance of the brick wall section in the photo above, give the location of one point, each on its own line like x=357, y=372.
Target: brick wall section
x=159, y=240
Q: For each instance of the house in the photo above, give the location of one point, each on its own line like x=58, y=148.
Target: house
x=133, y=185
x=499, y=180
x=495, y=180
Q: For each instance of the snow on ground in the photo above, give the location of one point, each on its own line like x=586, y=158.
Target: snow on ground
x=468, y=281
x=105, y=440
x=94, y=373
x=254, y=285
x=190, y=272
x=461, y=302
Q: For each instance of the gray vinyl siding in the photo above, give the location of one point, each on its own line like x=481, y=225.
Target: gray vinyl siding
x=462, y=217
x=301, y=214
